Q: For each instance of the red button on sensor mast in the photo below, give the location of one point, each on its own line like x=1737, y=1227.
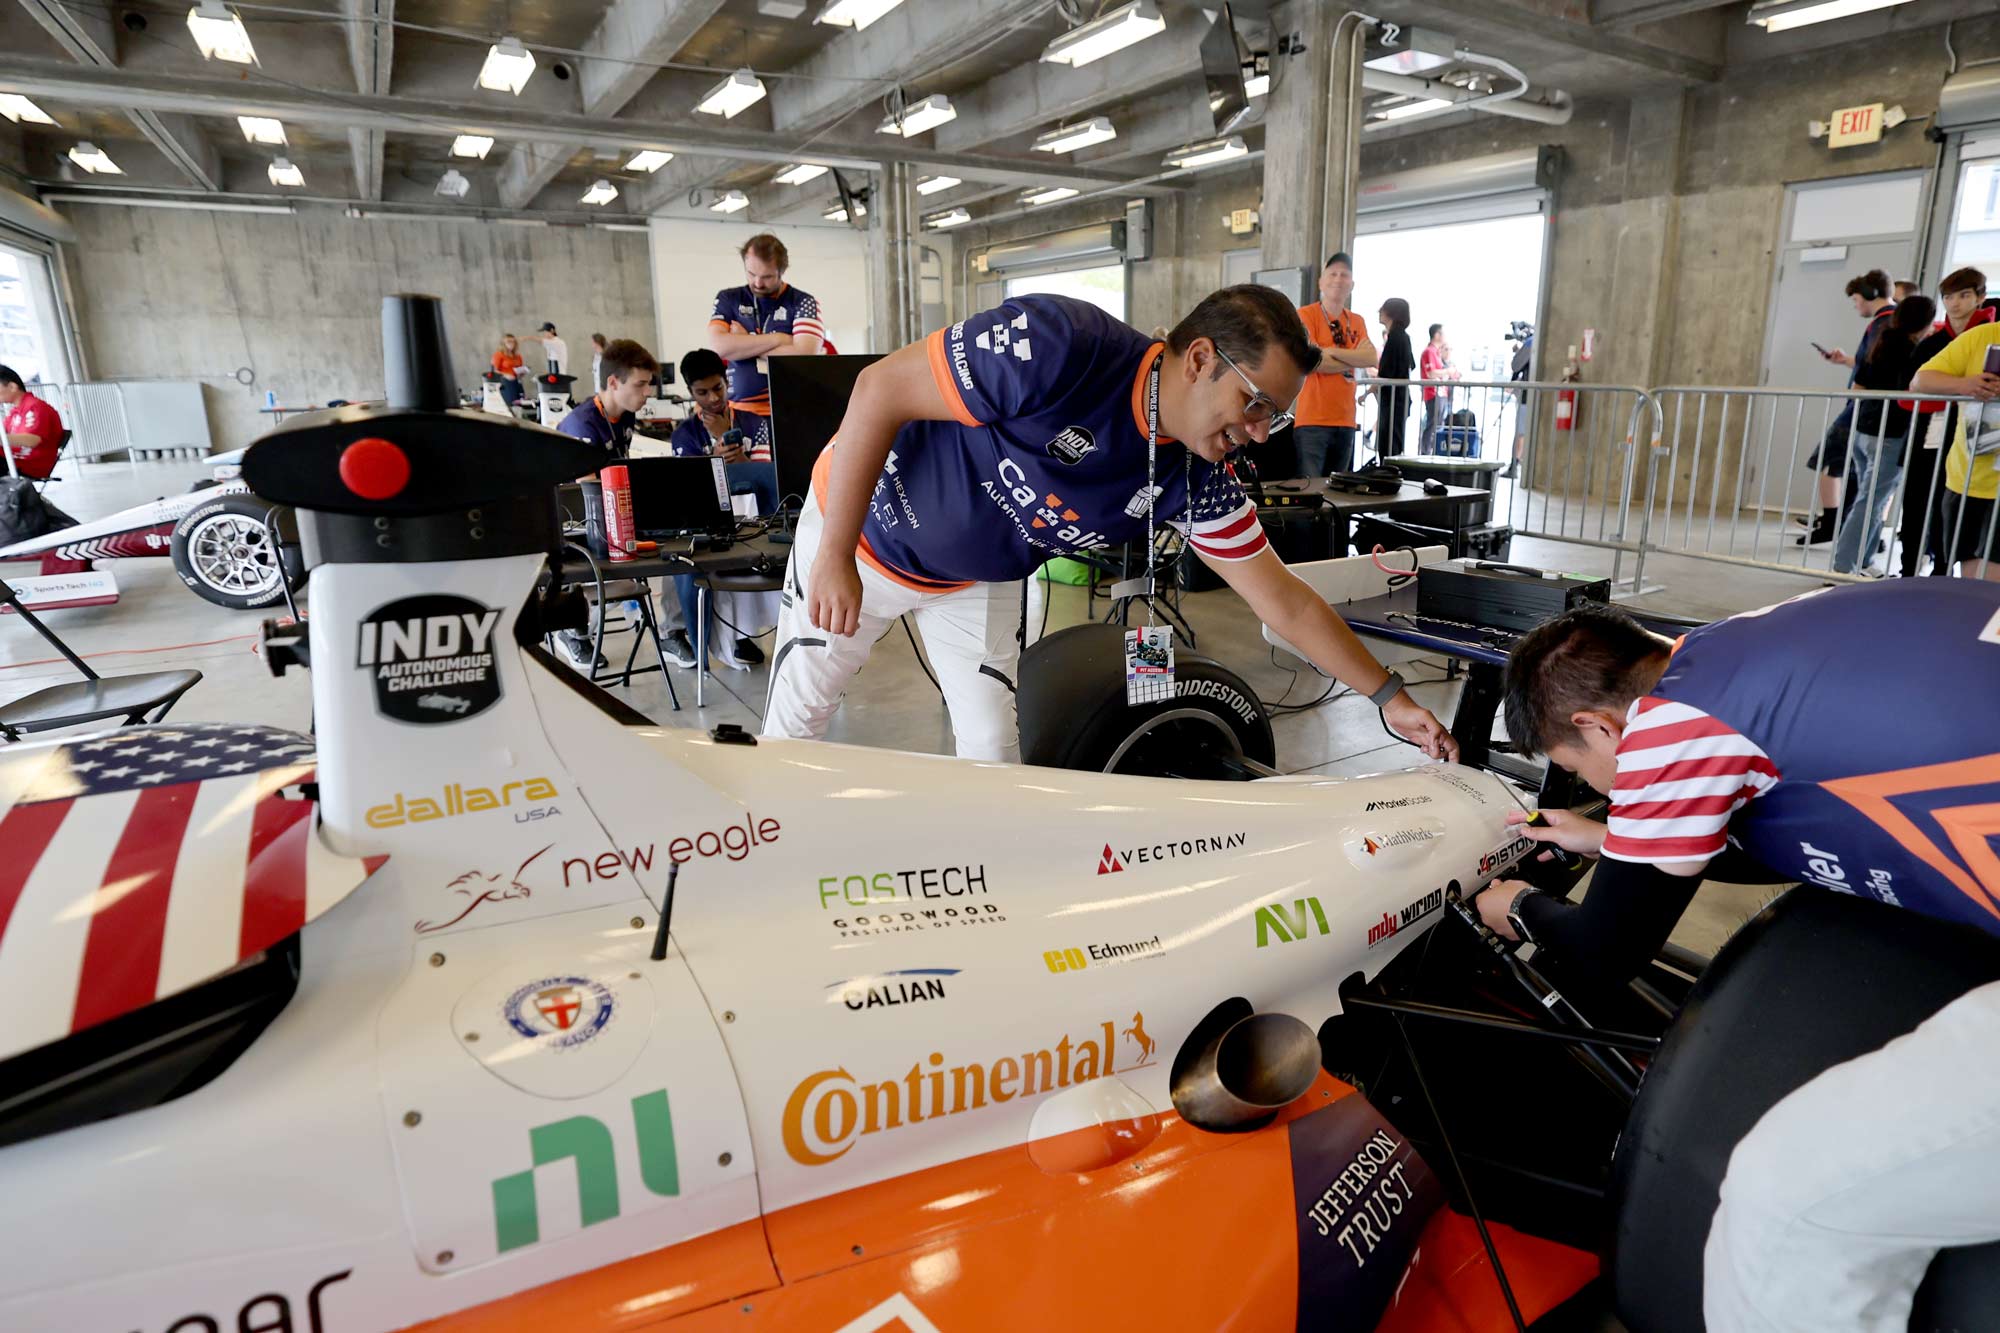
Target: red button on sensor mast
x=374, y=468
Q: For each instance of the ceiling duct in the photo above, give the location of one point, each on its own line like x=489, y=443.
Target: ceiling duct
x=1511, y=101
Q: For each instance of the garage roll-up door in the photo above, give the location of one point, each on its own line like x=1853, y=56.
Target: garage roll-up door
x=1500, y=185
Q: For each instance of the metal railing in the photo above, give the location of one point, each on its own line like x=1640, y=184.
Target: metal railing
x=95, y=414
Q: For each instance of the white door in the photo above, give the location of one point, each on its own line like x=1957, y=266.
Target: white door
x=1833, y=231
x=1240, y=266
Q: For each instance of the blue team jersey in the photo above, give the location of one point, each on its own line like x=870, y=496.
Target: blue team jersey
x=1046, y=455
x=691, y=437
x=740, y=310
x=1786, y=731
x=586, y=421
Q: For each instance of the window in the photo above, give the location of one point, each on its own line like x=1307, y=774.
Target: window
x=30, y=327
x=1975, y=222
x=1103, y=287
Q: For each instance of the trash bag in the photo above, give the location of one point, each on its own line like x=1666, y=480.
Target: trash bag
x=25, y=513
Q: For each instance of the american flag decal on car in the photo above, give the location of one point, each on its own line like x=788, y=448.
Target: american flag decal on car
x=141, y=862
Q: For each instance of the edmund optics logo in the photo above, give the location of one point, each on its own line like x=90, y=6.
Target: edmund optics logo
x=831, y=1109
x=1075, y=960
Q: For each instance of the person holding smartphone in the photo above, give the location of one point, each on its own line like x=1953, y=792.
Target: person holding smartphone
x=713, y=430
x=1869, y=295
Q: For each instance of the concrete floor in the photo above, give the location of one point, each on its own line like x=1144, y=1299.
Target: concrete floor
x=159, y=624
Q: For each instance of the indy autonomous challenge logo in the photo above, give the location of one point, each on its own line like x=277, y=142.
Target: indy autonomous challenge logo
x=1072, y=446
x=431, y=658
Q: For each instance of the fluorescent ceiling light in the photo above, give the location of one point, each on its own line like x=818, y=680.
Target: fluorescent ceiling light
x=1100, y=37
x=856, y=14
x=800, y=174
x=282, y=172
x=739, y=90
x=471, y=145
x=1069, y=138
x=219, y=33
x=1036, y=196
x=508, y=66
x=94, y=160
x=839, y=214
x=262, y=129
x=937, y=184
x=1207, y=152
x=1415, y=108
x=733, y=202
x=650, y=159
x=600, y=192
x=18, y=108
x=779, y=9
x=1786, y=14
x=958, y=217
x=453, y=185
x=928, y=114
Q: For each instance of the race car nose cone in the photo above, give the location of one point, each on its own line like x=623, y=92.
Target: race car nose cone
x=374, y=468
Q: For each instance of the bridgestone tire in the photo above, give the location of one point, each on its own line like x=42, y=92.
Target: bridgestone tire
x=223, y=553
x=1073, y=712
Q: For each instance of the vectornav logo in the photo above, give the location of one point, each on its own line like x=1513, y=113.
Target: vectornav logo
x=831, y=1109
x=1111, y=861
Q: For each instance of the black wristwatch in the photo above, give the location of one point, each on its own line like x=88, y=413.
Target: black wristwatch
x=1390, y=689
x=1514, y=913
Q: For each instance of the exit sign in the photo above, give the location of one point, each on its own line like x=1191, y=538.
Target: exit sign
x=1855, y=125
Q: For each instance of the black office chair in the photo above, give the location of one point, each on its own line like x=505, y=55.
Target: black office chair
x=41, y=484
x=144, y=697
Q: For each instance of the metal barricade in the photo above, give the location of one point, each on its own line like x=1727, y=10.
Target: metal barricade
x=1573, y=471
x=93, y=412
x=1741, y=477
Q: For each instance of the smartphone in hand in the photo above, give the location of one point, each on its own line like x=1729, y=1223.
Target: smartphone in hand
x=1822, y=351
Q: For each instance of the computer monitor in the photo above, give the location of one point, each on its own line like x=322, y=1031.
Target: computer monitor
x=679, y=496
x=808, y=398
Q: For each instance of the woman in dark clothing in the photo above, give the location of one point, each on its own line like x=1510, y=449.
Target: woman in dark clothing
x=1398, y=362
x=1881, y=430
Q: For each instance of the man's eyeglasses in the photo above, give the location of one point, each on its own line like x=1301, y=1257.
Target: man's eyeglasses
x=1261, y=406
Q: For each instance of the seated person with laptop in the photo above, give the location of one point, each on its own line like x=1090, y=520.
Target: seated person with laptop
x=674, y=499
x=709, y=428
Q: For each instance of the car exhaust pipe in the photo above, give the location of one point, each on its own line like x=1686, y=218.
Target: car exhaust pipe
x=1258, y=1065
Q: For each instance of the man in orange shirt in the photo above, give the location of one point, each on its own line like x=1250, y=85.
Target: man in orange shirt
x=507, y=365
x=1325, y=430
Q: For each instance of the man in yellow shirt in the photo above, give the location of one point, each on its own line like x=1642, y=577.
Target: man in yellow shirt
x=1324, y=433
x=1970, y=364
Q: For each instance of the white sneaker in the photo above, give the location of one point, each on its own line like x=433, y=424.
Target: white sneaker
x=679, y=651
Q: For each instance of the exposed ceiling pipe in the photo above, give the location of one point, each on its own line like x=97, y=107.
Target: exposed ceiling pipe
x=1506, y=102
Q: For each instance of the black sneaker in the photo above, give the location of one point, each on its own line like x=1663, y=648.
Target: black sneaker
x=746, y=653
x=679, y=651
x=575, y=646
x=1820, y=533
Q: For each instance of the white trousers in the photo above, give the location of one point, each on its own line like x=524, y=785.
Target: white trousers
x=1839, y=1197
x=969, y=636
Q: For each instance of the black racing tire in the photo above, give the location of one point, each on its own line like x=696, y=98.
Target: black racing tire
x=224, y=553
x=1073, y=713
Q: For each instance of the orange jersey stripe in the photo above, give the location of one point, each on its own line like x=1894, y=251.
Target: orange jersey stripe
x=947, y=386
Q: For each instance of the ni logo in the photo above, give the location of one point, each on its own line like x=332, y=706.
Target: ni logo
x=516, y=1216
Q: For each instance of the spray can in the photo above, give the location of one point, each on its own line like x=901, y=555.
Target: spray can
x=618, y=532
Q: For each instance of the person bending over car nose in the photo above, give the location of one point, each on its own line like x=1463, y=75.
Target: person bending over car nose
x=966, y=460
x=1774, y=737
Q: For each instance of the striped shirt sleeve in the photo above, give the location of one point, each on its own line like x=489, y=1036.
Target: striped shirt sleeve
x=1681, y=775
x=807, y=319
x=1224, y=523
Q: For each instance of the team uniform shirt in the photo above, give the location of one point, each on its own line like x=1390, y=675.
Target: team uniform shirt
x=740, y=310
x=506, y=363
x=1045, y=455
x=1778, y=730
x=587, y=421
x=691, y=437
x=32, y=416
x=1328, y=400
x=1967, y=472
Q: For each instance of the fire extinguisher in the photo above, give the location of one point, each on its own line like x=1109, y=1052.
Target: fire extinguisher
x=1566, y=398
x=619, y=535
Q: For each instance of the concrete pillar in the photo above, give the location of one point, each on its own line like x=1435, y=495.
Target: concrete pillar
x=1312, y=141
x=888, y=245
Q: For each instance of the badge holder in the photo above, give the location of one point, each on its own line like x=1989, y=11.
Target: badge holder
x=1149, y=651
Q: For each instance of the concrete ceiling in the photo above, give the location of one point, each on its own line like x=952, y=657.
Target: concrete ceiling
x=371, y=91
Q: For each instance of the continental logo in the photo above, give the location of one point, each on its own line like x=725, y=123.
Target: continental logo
x=456, y=799
x=1075, y=960
x=830, y=1110
x=1403, y=920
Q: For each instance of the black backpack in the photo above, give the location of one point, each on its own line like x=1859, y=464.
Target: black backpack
x=24, y=513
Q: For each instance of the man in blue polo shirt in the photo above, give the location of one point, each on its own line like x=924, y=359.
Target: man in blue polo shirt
x=609, y=417
x=966, y=460
x=763, y=318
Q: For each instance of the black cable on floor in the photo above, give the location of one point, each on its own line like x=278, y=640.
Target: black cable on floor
x=904, y=621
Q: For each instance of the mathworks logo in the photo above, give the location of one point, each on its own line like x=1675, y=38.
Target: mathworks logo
x=831, y=1109
x=1111, y=861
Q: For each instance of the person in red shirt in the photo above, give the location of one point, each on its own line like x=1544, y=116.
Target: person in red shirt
x=34, y=429
x=507, y=363
x=1435, y=364
x=1324, y=431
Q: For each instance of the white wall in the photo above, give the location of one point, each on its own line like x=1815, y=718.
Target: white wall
x=695, y=258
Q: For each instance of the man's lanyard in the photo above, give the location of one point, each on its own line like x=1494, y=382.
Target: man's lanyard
x=1152, y=487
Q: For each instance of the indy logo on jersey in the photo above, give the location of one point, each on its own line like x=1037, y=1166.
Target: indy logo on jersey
x=1002, y=338
x=1072, y=446
x=431, y=658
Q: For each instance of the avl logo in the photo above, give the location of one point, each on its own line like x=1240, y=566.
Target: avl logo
x=516, y=1218
x=1289, y=923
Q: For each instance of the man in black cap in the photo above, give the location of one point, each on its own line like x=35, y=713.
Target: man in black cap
x=554, y=348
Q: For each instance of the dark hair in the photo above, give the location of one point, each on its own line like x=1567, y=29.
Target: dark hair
x=1909, y=321
x=1434, y=331
x=1245, y=323
x=624, y=356
x=700, y=364
x=1594, y=657
x=1906, y=282
x=1398, y=311
x=597, y=338
x=8, y=375
x=1963, y=279
x=767, y=248
x=1870, y=286
x=1338, y=257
